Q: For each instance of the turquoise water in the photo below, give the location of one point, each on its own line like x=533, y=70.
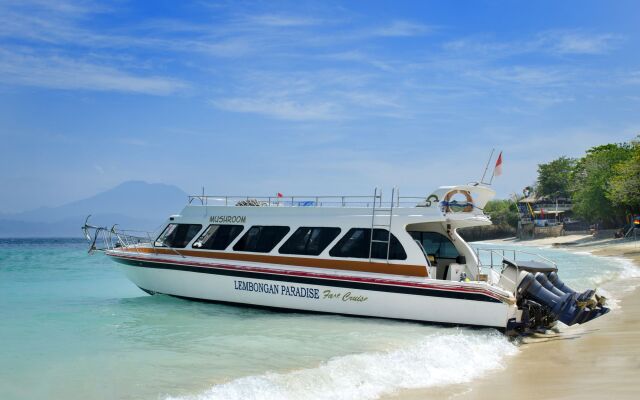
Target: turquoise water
x=72, y=327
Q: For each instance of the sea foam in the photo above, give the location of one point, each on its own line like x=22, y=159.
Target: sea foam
x=457, y=356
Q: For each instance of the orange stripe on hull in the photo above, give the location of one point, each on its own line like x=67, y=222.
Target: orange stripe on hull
x=345, y=265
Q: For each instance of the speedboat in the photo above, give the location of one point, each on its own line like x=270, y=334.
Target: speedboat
x=370, y=256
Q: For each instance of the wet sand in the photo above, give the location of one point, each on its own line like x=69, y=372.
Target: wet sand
x=600, y=360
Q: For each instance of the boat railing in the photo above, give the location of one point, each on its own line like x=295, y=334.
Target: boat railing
x=552, y=207
x=371, y=201
x=102, y=238
x=497, y=257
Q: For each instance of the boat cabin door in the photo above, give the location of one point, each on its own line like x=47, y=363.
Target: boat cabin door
x=441, y=253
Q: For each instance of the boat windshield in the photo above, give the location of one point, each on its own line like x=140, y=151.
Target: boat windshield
x=177, y=235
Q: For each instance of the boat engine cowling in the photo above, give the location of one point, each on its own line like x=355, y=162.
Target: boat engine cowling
x=544, y=281
x=544, y=298
x=563, y=308
x=555, y=281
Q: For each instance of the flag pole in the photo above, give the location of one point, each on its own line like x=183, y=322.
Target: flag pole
x=487, y=167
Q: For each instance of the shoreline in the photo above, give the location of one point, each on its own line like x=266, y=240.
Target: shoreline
x=593, y=361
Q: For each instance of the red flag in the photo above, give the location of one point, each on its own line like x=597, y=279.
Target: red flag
x=280, y=194
x=498, y=170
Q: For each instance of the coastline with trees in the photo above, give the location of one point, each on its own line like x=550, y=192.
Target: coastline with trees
x=602, y=187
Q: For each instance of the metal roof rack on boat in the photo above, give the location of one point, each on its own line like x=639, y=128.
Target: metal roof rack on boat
x=376, y=200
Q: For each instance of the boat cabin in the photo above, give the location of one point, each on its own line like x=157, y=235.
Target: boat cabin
x=413, y=236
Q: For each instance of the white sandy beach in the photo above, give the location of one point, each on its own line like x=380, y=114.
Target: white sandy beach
x=595, y=361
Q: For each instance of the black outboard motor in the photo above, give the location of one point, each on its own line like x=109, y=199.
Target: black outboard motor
x=552, y=299
x=564, y=308
x=554, y=279
x=542, y=279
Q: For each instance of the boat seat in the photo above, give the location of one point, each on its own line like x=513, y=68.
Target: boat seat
x=454, y=272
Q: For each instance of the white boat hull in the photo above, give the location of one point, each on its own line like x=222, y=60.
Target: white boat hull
x=359, y=296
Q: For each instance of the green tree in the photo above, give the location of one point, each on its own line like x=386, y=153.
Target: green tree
x=624, y=187
x=554, y=178
x=590, y=183
x=502, y=212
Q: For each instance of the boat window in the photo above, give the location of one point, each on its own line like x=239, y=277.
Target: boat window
x=261, y=239
x=177, y=235
x=309, y=241
x=356, y=244
x=217, y=237
x=436, y=244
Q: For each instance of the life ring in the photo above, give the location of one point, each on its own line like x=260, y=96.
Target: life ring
x=467, y=208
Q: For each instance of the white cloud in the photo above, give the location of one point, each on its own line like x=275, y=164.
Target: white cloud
x=134, y=141
x=77, y=8
x=559, y=42
x=361, y=57
x=524, y=75
x=48, y=21
x=280, y=108
x=400, y=28
x=633, y=78
x=370, y=80
x=275, y=20
x=311, y=96
x=485, y=47
x=371, y=99
x=59, y=72
x=580, y=43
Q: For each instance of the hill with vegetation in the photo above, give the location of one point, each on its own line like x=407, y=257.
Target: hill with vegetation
x=131, y=205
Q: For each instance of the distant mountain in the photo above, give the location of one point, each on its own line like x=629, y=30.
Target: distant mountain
x=131, y=205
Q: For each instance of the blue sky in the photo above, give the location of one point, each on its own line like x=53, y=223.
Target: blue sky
x=305, y=97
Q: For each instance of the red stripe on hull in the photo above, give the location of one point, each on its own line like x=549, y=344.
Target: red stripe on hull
x=465, y=289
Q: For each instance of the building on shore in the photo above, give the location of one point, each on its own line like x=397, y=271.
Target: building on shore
x=545, y=217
